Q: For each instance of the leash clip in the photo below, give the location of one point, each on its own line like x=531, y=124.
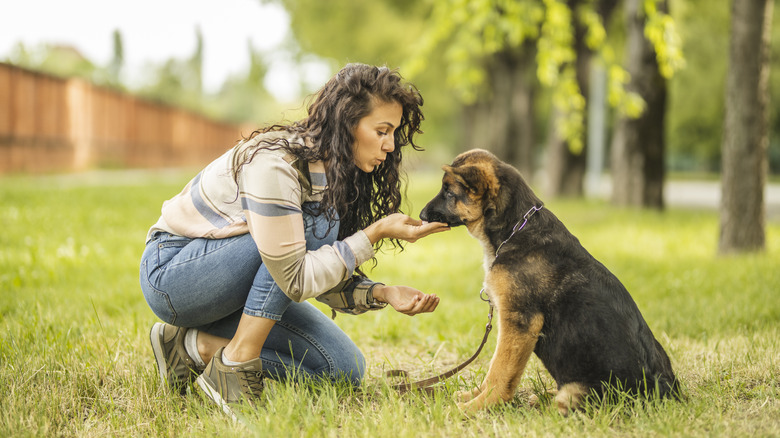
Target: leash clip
x=484, y=297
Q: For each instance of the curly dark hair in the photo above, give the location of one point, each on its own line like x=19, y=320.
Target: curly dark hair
x=357, y=197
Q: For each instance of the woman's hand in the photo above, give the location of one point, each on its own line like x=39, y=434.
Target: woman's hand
x=401, y=226
x=406, y=300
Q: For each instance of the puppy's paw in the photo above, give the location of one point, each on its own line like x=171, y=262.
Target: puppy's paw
x=465, y=396
x=536, y=401
x=479, y=402
x=570, y=397
x=468, y=408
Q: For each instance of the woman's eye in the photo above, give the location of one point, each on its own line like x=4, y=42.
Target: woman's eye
x=381, y=133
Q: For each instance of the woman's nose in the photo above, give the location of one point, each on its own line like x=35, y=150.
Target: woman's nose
x=388, y=145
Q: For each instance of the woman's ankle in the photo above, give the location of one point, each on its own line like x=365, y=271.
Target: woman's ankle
x=208, y=345
x=250, y=336
x=237, y=354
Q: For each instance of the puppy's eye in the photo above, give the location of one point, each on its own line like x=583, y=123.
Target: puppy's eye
x=448, y=194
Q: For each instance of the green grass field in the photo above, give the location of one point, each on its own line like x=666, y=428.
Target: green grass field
x=75, y=357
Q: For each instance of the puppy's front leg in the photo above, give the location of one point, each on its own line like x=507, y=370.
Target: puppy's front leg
x=514, y=348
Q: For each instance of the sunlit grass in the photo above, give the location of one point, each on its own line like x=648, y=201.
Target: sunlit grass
x=75, y=360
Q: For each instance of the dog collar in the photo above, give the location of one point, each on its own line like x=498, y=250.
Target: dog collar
x=519, y=226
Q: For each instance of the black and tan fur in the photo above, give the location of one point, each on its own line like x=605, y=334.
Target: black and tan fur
x=551, y=296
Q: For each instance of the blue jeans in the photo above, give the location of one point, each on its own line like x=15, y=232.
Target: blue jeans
x=208, y=283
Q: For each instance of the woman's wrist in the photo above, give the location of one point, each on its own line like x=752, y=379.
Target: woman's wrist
x=374, y=232
x=379, y=293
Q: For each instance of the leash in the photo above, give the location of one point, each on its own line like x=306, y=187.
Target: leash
x=426, y=384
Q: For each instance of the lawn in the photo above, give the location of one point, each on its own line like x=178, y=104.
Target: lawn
x=75, y=357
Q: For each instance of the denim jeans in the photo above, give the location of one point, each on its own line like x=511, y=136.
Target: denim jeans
x=209, y=283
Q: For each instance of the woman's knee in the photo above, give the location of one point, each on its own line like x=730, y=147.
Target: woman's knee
x=349, y=365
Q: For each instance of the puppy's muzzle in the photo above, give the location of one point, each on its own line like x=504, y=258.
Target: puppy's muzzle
x=432, y=216
x=429, y=214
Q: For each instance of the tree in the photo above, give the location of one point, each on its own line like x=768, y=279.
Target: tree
x=566, y=158
x=380, y=32
x=117, y=61
x=58, y=60
x=196, y=61
x=178, y=81
x=566, y=34
x=482, y=50
x=503, y=119
x=745, y=136
x=638, y=145
x=244, y=98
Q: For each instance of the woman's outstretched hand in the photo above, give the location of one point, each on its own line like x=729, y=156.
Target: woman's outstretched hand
x=401, y=226
x=406, y=300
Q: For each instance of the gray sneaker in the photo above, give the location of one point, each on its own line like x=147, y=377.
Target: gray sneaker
x=226, y=384
x=174, y=364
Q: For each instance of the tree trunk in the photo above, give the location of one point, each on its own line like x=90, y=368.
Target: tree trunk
x=566, y=169
x=637, y=156
x=504, y=122
x=745, y=136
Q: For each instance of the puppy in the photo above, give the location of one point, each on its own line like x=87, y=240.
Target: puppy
x=551, y=296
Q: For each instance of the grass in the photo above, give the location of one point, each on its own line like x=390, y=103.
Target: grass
x=75, y=359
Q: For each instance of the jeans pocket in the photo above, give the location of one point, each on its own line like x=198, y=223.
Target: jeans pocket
x=168, y=247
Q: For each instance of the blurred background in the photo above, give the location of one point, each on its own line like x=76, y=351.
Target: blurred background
x=581, y=95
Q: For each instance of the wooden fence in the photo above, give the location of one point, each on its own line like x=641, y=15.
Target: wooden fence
x=49, y=124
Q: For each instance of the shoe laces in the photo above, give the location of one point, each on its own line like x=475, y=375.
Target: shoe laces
x=254, y=381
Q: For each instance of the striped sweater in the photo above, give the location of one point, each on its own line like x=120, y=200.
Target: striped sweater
x=267, y=202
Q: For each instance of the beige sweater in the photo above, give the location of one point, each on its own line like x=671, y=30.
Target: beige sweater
x=267, y=203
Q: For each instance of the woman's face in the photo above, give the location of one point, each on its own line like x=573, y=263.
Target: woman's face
x=375, y=135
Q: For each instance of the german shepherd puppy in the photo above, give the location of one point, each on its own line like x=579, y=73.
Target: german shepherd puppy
x=551, y=296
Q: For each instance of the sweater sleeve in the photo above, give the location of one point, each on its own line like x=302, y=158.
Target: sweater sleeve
x=271, y=197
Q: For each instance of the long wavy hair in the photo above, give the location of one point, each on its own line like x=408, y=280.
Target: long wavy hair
x=358, y=198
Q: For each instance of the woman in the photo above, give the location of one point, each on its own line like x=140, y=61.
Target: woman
x=287, y=215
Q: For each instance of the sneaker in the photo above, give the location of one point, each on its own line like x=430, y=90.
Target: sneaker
x=230, y=384
x=175, y=365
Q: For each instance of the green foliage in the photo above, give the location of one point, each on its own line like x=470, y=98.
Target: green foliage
x=377, y=32
x=75, y=358
x=114, y=68
x=244, y=98
x=630, y=104
x=59, y=61
x=472, y=31
x=443, y=45
x=380, y=32
x=175, y=83
x=178, y=82
x=661, y=31
x=697, y=93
